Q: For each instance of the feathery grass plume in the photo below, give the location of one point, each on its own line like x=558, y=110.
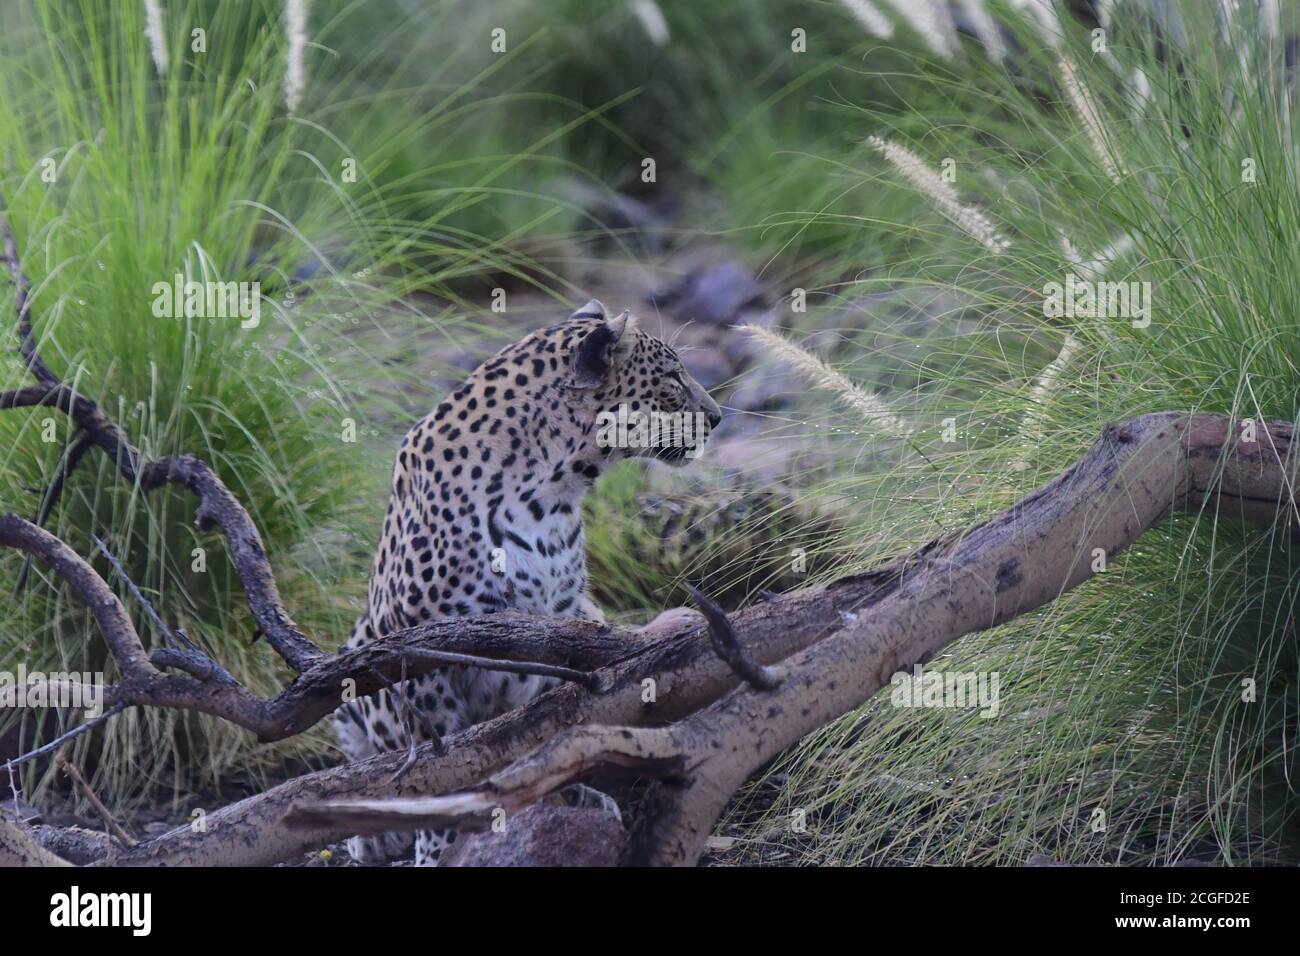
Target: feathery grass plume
x=873, y=21
x=1270, y=18
x=1105, y=11
x=986, y=29
x=1140, y=91
x=1031, y=425
x=295, y=25
x=1091, y=269
x=1042, y=17
x=153, y=29
x=1116, y=250
x=652, y=21
x=925, y=180
x=932, y=22
x=1081, y=102
x=874, y=409
x=1069, y=250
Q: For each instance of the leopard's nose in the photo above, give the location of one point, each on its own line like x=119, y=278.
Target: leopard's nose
x=705, y=403
x=710, y=408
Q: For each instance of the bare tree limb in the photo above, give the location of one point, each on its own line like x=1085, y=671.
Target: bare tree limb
x=19, y=848
x=59, y=741
x=22, y=303
x=1138, y=473
x=73, y=452
x=83, y=788
x=728, y=648
x=114, y=623
x=703, y=719
x=560, y=761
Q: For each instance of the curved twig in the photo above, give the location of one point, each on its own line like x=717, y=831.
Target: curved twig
x=836, y=645
x=727, y=647
x=217, y=506
x=560, y=761
x=22, y=303
x=72, y=454
x=59, y=741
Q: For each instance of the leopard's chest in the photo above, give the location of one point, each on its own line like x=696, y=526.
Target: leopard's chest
x=540, y=566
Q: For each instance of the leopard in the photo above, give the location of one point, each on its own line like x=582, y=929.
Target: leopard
x=485, y=515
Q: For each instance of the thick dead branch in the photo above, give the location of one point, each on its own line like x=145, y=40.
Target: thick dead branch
x=850, y=638
x=77, y=845
x=562, y=760
x=1134, y=476
x=728, y=648
x=706, y=720
x=89, y=795
x=19, y=848
x=684, y=673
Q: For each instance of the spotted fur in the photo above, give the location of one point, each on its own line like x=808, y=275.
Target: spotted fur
x=485, y=514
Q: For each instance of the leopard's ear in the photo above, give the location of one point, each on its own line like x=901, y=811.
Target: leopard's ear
x=595, y=309
x=598, y=352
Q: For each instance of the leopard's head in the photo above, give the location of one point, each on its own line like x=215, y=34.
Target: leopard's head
x=646, y=404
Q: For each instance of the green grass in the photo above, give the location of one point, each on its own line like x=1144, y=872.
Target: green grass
x=1124, y=696
x=202, y=172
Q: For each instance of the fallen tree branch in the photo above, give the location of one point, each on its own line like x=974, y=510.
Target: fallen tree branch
x=84, y=727
x=562, y=760
x=19, y=848
x=1134, y=476
x=1137, y=473
x=83, y=788
x=728, y=648
x=655, y=684
x=705, y=716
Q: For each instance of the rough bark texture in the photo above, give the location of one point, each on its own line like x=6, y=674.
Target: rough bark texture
x=831, y=647
x=675, y=706
x=544, y=835
x=1134, y=476
x=19, y=848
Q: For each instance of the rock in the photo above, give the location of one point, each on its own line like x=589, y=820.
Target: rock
x=708, y=367
x=16, y=808
x=621, y=218
x=714, y=294
x=544, y=835
x=78, y=845
x=767, y=390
